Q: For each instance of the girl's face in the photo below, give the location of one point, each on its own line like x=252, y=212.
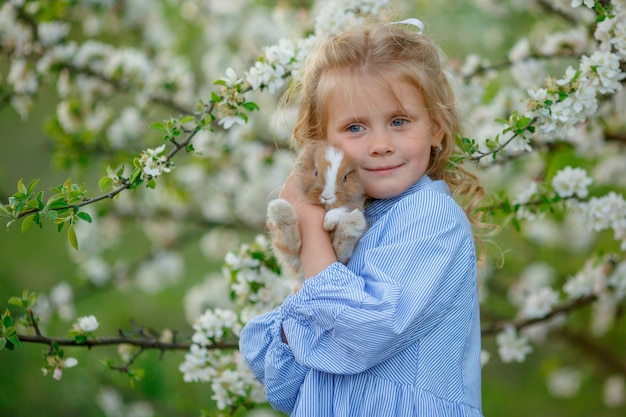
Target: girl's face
x=389, y=134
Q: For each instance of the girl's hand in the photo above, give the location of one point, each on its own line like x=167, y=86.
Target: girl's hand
x=304, y=209
x=317, y=251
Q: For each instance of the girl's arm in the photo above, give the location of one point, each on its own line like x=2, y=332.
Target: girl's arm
x=317, y=251
x=272, y=362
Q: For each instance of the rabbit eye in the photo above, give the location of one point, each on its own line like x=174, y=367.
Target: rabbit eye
x=345, y=178
x=315, y=173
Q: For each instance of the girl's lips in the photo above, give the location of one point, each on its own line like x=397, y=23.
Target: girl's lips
x=384, y=170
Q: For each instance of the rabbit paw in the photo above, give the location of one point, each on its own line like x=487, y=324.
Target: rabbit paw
x=353, y=223
x=333, y=217
x=280, y=212
x=283, y=226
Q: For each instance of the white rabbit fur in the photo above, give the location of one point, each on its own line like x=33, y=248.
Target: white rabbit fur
x=327, y=177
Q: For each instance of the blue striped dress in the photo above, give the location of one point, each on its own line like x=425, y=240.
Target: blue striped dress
x=394, y=333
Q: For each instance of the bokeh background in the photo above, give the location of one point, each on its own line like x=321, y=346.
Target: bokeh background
x=40, y=259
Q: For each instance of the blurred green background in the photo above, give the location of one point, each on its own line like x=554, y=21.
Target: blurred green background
x=39, y=259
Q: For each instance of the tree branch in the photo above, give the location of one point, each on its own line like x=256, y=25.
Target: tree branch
x=144, y=343
x=591, y=347
x=563, y=308
x=126, y=185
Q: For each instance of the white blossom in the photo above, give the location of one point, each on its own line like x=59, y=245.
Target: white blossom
x=617, y=280
x=52, y=32
x=86, y=324
x=539, y=303
x=165, y=269
x=23, y=79
x=281, y=54
x=614, y=391
x=534, y=277
x=231, y=79
x=524, y=197
x=196, y=368
x=564, y=382
x=575, y=40
x=213, y=324
x=61, y=298
x=569, y=182
x=154, y=162
x=603, y=70
x=229, y=121
x=96, y=269
x=128, y=126
x=589, y=280
x=511, y=346
x=57, y=373
x=589, y=3
x=603, y=313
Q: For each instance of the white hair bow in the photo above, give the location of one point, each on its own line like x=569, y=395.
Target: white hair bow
x=413, y=22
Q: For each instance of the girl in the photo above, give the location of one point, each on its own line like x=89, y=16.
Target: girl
x=396, y=331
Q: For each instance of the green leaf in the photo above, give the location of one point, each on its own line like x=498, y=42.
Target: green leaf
x=158, y=126
x=14, y=341
x=51, y=215
x=32, y=185
x=20, y=196
x=71, y=236
x=56, y=205
x=7, y=321
x=21, y=189
x=104, y=183
x=84, y=216
x=515, y=223
x=501, y=120
x=4, y=211
x=523, y=123
x=250, y=106
x=27, y=222
x=136, y=173
x=16, y=301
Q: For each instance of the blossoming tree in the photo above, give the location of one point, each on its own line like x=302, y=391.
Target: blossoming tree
x=192, y=142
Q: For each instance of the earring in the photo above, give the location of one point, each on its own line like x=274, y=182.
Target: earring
x=439, y=147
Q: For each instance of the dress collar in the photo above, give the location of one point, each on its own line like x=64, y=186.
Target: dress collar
x=375, y=209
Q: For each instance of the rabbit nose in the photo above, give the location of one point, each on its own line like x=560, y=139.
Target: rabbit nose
x=327, y=199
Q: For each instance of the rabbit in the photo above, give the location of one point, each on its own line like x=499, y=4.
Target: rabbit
x=327, y=177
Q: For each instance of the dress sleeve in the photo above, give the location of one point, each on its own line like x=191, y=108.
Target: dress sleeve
x=344, y=323
x=271, y=361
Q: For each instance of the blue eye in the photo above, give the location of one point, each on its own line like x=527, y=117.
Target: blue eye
x=399, y=122
x=355, y=128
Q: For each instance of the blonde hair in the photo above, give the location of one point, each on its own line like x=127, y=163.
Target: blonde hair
x=388, y=51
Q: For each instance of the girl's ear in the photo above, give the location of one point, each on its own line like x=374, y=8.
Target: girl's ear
x=437, y=133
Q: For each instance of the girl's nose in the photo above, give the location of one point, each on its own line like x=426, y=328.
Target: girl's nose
x=381, y=143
